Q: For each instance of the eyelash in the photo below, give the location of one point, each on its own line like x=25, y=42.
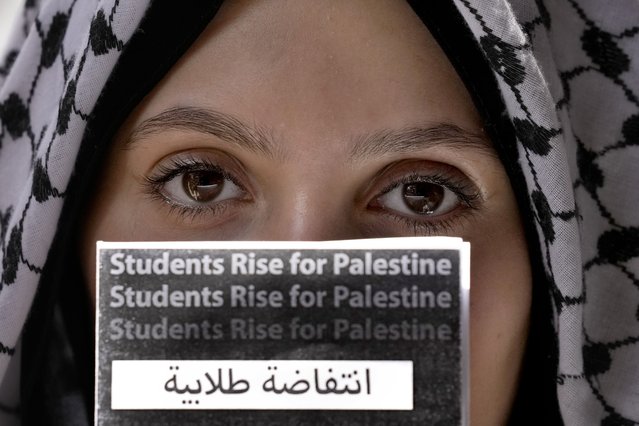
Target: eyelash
x=469, y=196
x=154, y=185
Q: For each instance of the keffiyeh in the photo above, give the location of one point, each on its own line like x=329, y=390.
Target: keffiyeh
x=569, y=75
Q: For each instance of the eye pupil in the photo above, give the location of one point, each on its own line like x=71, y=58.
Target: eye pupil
x=203, y=185
x=423, y=197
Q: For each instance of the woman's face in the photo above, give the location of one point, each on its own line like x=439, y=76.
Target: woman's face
x=318, y=120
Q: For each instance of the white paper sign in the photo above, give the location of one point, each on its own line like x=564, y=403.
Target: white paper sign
x=251, y=333
x=258, y=384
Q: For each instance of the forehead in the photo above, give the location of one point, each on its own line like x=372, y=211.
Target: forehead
x=317, y=69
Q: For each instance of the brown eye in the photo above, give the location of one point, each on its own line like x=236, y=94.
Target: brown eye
x=203, y=185
x=423, y=198
x=419, y=198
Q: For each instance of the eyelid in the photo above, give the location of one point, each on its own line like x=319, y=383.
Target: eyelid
x=468, y=195
x=405, y=171
x=400, y=172
x=173, y=165
x=209, y=159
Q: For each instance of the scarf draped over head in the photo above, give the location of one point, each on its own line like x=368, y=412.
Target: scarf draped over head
x=568, y=73
x=51, y=74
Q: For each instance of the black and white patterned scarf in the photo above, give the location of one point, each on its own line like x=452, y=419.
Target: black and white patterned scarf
x=568, y=72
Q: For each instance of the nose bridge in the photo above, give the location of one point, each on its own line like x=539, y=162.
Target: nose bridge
x=309, y=213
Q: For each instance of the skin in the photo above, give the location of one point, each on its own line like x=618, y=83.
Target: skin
x=316, y=78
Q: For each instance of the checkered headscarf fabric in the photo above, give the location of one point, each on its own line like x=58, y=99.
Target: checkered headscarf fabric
x=51, y=75
x=569, y=75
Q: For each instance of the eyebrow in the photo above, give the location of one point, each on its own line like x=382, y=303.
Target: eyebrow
x=413, y=139
x=206, y=121
x=256, y=139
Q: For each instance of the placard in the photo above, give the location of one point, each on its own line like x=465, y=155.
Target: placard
x=351, y=332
